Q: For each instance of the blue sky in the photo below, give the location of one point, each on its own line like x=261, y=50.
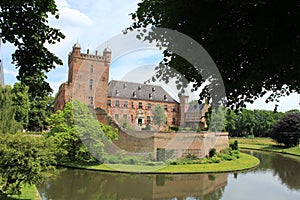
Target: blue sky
x=96, y=24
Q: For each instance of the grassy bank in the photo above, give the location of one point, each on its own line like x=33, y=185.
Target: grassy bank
x=244, y=162
x=266, y=144
x=29, y=192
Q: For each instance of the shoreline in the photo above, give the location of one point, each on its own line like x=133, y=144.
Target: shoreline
x=245, y=162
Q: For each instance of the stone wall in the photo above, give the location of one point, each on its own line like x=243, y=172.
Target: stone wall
x=180, y=143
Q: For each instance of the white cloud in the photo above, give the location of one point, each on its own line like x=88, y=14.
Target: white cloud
x=285, y=103
x=10, y=72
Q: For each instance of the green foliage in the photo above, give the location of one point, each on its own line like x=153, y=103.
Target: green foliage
x=147, y=128
x=245, y=39
x=287, y=131
x=21, y=102
x=174, y=128
x=234, y=145
x=24, y=160
x=79, y=137
x=191, y=156
x=159, y=116
x=226, y=154
x=217, y=119
x=37, y=113
x=125, y=123
x=258, y=123
x=8, y=123
x=25, y=25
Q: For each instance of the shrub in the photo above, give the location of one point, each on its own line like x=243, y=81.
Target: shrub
x=287, y=131
x=174, y=128
x=191, y=156
x=227, y=157
x=234, y=145
x=235, y=154
x=113, y=159
x=216, y=159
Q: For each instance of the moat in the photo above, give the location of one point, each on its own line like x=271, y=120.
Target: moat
x=276, y=178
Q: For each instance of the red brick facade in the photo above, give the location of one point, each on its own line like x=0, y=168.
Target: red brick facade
x=88, y=82
x=87, y=79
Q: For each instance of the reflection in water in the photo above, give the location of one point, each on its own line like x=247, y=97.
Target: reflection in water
x=285, y=168
x=80, y=184
x=276, y=173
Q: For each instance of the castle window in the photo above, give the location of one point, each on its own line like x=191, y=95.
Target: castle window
x=150, y=96
x=174, y=108
x=91, y=100
x=149, y=106
x=140, y=105
x=153, y=89
x=125, y=104
x=91, y=68
x=131, y=118
x=125, y=117
x=108, y=103
x=165, y=98
x=91, y=84
x=117, y=117
x=117, y=92
x=134, y=94
x=117, y=103
x=166, y=107
x=139, y=87
x=132, y=105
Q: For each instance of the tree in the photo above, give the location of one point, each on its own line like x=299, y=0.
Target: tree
x=159, y=115
x=255, y=44
x=8, y=123
x=79, y=137
x=287, y=131
x=216, y=121
x=230, y=118
x=21, y=102
x=24, y=23
x=37, y=113
x=24, y=160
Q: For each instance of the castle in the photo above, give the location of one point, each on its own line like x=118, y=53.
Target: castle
x=88, y=81
x=114, y=101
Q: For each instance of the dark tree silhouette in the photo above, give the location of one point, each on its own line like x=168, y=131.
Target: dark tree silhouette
x=287, y=131
x=254, y=43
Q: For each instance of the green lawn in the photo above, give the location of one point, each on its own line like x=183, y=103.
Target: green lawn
x=244, y=162
x=266, y=144
x=29, y=192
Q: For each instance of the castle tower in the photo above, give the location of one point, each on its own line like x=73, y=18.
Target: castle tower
x=87, y=78
x=184, y=104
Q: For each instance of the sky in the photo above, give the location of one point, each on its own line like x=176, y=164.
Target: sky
x=99, y=24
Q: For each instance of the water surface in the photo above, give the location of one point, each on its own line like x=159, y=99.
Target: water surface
x=277, y=178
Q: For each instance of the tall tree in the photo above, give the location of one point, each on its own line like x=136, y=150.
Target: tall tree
x=255, y=44
x=24, y=23
x=287, y=131
x=21, y=103
x=37, y=114
x=8, y=123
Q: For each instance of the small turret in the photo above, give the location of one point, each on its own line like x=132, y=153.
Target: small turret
x=107, y=54
x=76, y=48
